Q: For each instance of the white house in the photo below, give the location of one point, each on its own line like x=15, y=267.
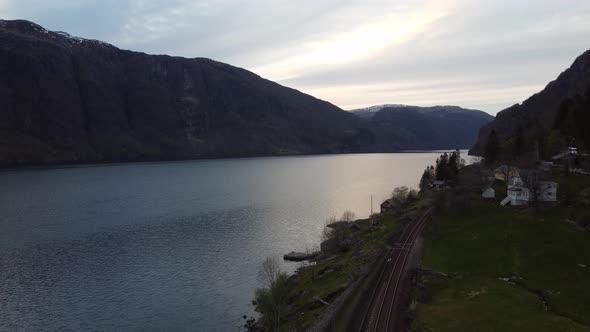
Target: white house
x=516, y=182
x=489, y=192
x=519, y=194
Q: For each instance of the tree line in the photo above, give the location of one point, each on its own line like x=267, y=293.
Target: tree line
x=536, y=140
x=446, y=169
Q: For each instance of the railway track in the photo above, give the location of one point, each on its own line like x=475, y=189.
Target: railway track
x=380, y=313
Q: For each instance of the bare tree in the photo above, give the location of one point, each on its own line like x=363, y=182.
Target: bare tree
x=400, y=193
x=506, y=173
x=348, y=216
x=338, y=232
x=328, y=232
x=269, y=272
x=271, y=301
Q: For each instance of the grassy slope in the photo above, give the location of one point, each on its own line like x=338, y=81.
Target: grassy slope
x=485, y=242
x=343, y=269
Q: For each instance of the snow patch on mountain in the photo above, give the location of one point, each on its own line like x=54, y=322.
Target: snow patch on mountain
x=33, y=29
x=376, y=108
x=77, y=40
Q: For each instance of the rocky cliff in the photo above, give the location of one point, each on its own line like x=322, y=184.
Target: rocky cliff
x=65, y=99
x=538, y=113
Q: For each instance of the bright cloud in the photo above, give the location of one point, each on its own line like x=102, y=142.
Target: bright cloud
x=357, y=43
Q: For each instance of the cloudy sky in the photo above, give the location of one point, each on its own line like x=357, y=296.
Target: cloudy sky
x=483, y=54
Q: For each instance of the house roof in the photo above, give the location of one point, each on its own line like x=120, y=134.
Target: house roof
x=501, y=168
x=570, y=152
x=529, y=175
x=513, y=188
x=505, y=168
x=391, y=201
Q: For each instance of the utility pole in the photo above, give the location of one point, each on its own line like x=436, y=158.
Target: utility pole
x=372, y=217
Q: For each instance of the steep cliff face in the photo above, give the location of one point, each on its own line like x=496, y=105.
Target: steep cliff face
x=541, y=109
x=402, y=127
x=65, y=99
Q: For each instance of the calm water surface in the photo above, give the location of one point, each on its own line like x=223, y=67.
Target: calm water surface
x=170, y=246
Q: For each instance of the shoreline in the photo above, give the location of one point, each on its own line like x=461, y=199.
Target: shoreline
x=90, y=164
x=321, y=290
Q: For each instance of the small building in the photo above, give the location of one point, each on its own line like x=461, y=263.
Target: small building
x=390, y=205
x=438, y=185
x=519, y=193
x=579, y=171
x=516, y=182
x=546, y=166
x=547, y=191
x=505, y=173
x=488, y=192
x=566, y=155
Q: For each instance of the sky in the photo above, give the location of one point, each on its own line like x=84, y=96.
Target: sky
x=480, y=54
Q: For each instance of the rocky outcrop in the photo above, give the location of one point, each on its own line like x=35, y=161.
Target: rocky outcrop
x=300, y=256
x=541, y=109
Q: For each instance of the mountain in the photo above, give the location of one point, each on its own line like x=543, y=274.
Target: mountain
x=65, y=99
x=401, y=127
x=537, y=117
x=368, y=112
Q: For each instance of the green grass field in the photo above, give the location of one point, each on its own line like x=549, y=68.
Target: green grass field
x=483, y=243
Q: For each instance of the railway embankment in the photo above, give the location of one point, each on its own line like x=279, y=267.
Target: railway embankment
x=324, y=293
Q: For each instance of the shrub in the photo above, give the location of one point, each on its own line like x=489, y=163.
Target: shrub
x=271, y=300
x=401, y=194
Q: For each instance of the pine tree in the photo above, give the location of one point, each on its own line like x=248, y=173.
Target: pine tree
x=519, y=144
x=454, y=161
x=492, y=148
x=426, y=179
x=442, y=168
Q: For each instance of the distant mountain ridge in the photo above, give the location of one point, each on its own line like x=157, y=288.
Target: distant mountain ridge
x=404, y=127
x=537, y=115
x=421, y=109
x=371, y=110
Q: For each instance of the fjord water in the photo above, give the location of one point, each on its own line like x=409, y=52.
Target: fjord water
x=170, y=246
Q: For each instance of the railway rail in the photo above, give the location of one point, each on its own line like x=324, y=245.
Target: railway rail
x=380, y=314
